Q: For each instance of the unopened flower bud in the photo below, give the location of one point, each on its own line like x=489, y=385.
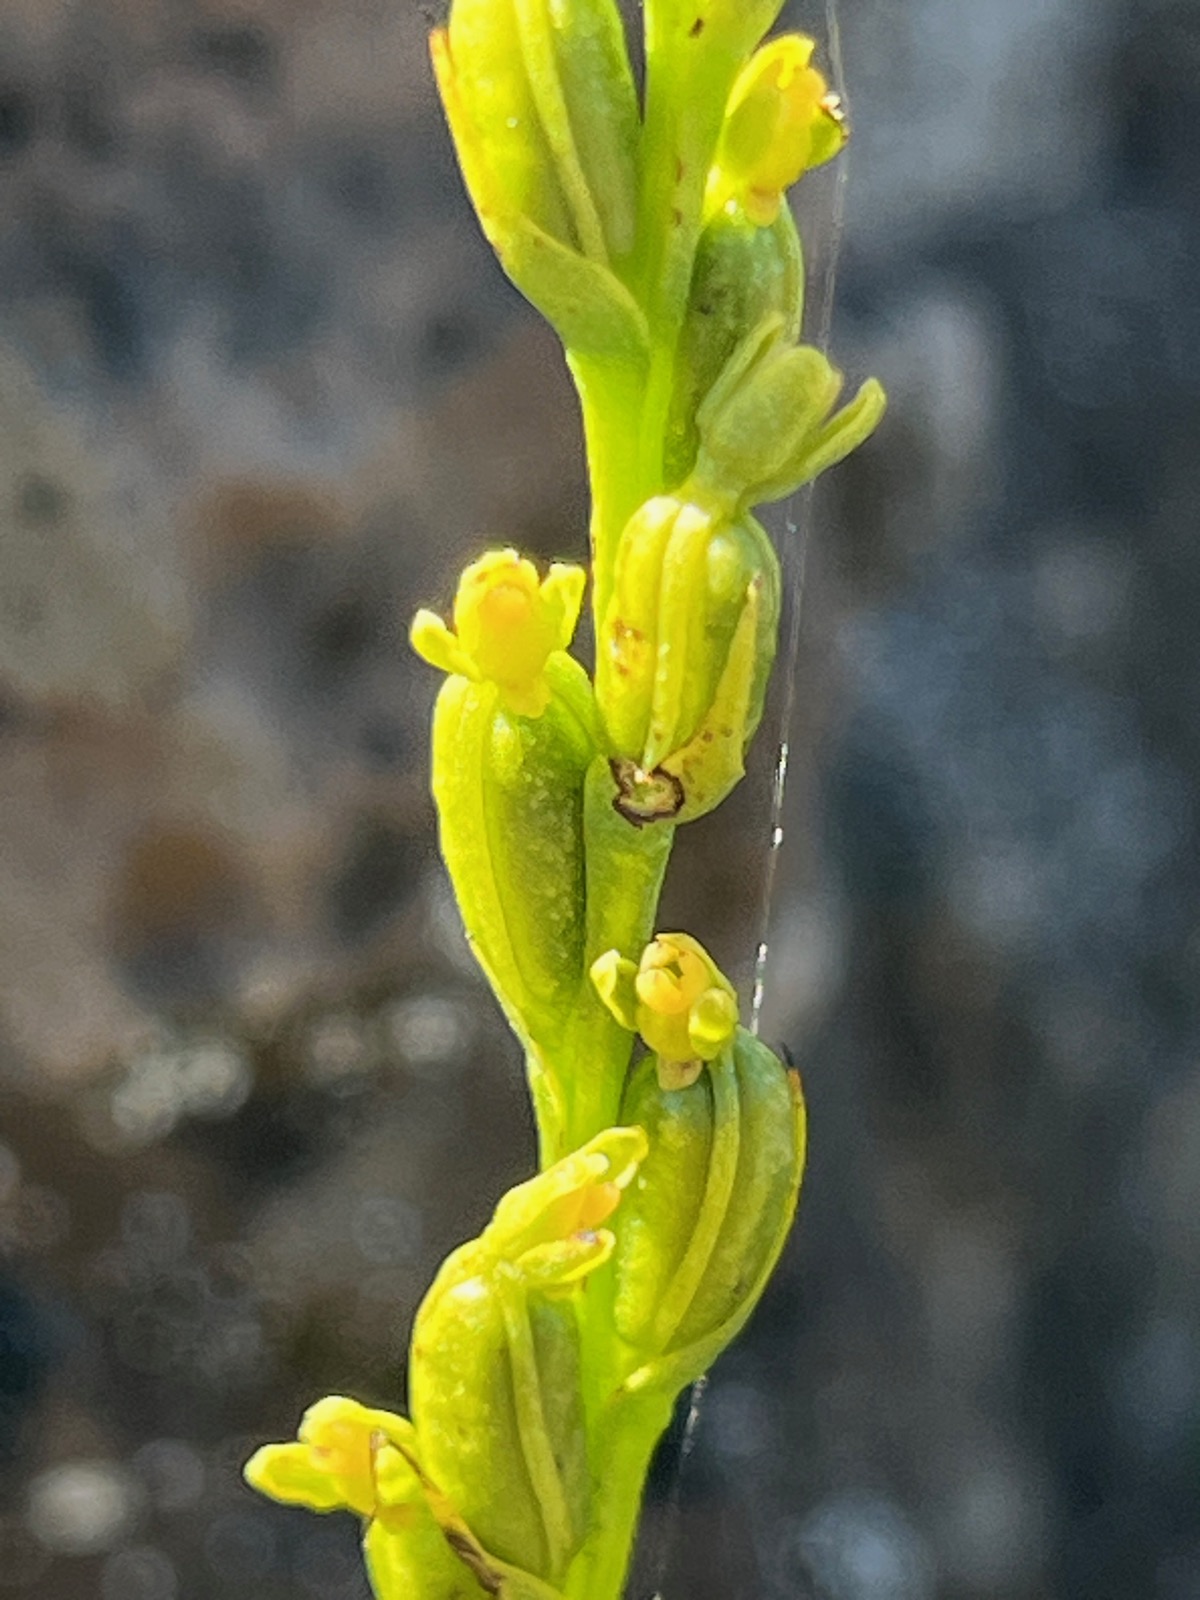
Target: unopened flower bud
x=495, y=1378
x=685, y=651
x=699, y=1234
x=676, y=997
x=781, y=121
x=514, y=731
x=768, y=424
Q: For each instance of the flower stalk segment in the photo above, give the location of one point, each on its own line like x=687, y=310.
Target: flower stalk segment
x=650, y=226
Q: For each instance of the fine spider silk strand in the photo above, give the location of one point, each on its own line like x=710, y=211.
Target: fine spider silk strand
x=798, y=525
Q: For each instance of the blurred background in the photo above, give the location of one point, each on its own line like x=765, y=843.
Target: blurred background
x=262, y=392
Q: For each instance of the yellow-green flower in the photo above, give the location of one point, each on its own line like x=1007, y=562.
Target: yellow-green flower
x=351, y=1457
x=495, y=1370
x=343, y=1459
x=507, y=624
x=676, y=997
x=780, y=122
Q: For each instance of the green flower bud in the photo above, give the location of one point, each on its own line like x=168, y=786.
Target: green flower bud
x=684, y=654
x=543, y=110
x=514, y=732
x=767, y=425
x=495, y=1376
x=701, y=1230
x=743, y=273
x=677, y=998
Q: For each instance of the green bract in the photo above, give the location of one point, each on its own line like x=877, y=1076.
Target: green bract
x=495, y=1373
x=685, y=648
x=651, y=229
x=698, y=1239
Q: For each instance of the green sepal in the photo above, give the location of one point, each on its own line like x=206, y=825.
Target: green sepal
x=842, y=434
x=579, y=71
x=777, y=402
x=491, y=108
x=590, y=309
x=712, y=762
x=538, y=211
x=767, y=425
x=699, y=1235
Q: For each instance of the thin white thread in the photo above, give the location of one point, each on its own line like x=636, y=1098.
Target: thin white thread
x=799, y=527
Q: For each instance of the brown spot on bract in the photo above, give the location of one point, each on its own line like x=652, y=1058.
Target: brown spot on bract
x=645, y=797
x=696, y=29
x=677, y=217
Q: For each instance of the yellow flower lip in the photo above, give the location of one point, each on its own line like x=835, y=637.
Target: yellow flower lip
x=339, y=1436
x=672, y=976
x=507, y=624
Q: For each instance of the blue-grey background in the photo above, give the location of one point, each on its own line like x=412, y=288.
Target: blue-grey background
x=262, y=392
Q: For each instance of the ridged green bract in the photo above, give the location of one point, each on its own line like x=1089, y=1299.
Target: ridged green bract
x=706, y=1218
x=416, y=1563
x=509, y=792
x=687, y=642
x=462, y=1391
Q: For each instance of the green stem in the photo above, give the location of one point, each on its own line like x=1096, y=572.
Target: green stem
x=623, y=1441
x=625, y=869
x=611, y=400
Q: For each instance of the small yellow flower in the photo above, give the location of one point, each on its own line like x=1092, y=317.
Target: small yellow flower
x=780, y=122
x=676, y=998
x=507, y=624
x=343, y=1459
x=551, y=1224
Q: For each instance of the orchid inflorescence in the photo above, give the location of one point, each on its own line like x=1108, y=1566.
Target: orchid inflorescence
x=649, y=225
